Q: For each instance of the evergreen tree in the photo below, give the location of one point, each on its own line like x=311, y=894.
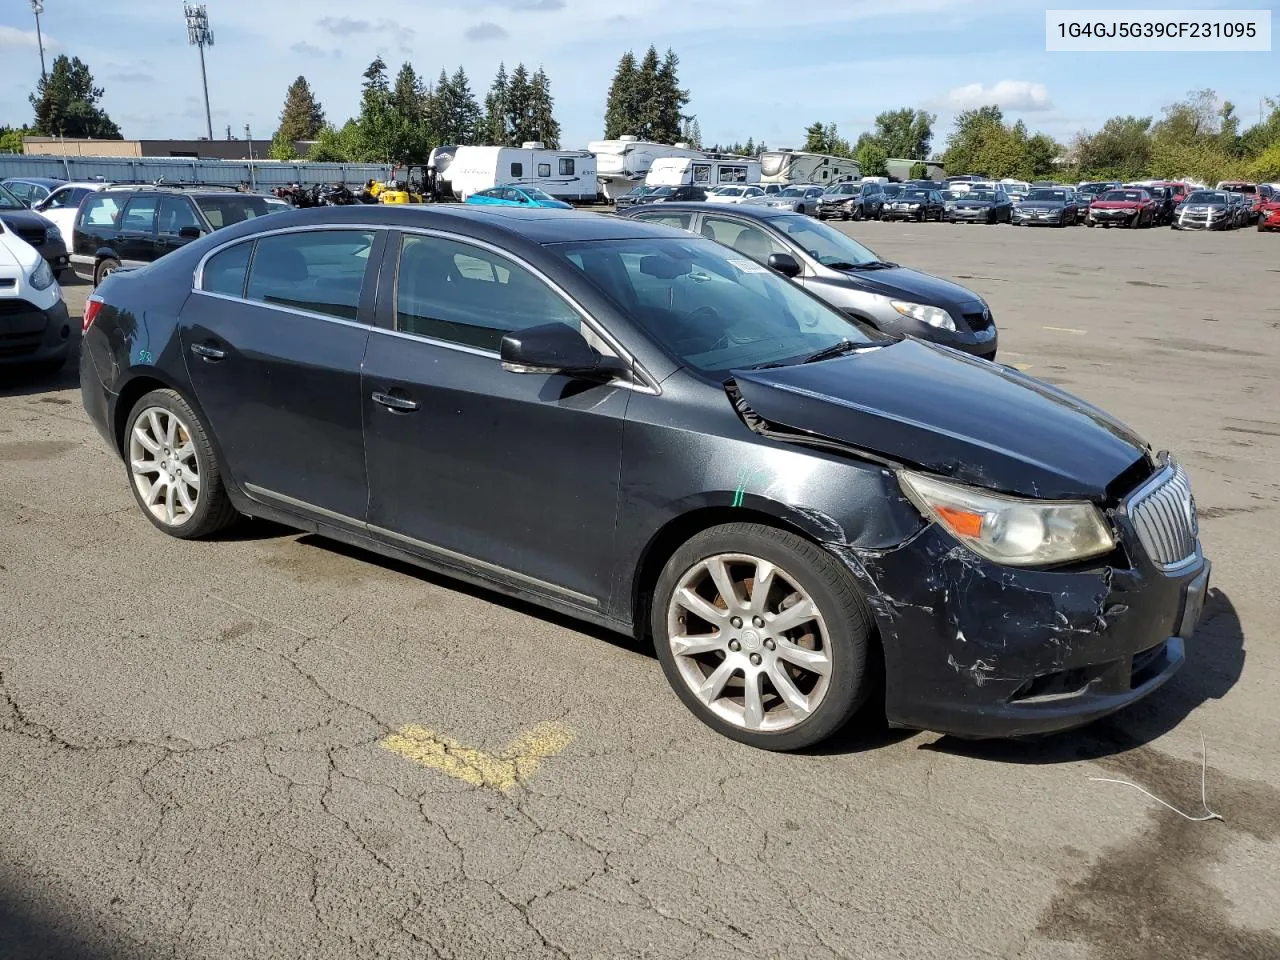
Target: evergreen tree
x=375, y=126
x=496, y=129
x=750, y=149
x=620, y=114
x=411, y=134
x=66, y=103
x=670, y=100
x=519, y=94
x=302, y=116
x=456, y=114
x=692, y=133
x=542, y=122
x=648, y=92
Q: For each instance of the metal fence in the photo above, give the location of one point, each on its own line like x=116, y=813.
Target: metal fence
x=259, y=173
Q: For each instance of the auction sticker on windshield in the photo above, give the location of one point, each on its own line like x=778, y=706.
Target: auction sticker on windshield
x=748, y=266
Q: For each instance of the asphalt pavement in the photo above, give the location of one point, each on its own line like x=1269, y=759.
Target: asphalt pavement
x=274, y=746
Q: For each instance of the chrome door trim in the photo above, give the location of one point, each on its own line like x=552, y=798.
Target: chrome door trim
x=441, y=553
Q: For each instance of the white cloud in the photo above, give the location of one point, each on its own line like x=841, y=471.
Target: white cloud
x=13, y=37
x=1006, y=94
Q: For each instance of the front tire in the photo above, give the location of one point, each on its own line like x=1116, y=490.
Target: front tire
x=172, y=469
x=763, y=635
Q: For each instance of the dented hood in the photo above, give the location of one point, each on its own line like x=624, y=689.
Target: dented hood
x=950, y=414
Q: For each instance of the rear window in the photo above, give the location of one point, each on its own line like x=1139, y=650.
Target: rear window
x=223, y=211
x=321, y=271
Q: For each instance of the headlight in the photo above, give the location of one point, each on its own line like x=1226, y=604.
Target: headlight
x=913, y=206
x=1011, y=530
x=42, y=277
x=934, y=316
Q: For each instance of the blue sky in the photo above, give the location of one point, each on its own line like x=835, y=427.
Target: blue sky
x=754, y=68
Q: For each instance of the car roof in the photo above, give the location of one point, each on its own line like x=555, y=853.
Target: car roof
x=43, y=181
x=540, y=225
x=751, y=212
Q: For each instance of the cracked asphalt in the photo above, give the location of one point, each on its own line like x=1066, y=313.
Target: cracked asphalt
x=189, y=732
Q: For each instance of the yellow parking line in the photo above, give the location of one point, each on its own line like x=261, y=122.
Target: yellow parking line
x=1071, y=330
x=496, y=771
x=1022, y=366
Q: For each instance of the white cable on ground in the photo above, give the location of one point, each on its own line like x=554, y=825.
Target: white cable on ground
x=1204, y=799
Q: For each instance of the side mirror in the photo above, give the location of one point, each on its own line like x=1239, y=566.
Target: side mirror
x=785, y=264
x=555, y=348
x=190, y=233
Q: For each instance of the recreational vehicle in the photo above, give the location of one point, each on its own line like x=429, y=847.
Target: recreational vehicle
x=708, y=172
x=624, y=163
x=796, y=166
x=565, y=174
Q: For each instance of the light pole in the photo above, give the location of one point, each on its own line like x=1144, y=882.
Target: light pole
x=37, y=7
x=200, y=35
x=249, y=137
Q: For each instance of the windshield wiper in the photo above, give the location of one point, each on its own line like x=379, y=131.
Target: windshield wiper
x=869, y=265
x=835, y=350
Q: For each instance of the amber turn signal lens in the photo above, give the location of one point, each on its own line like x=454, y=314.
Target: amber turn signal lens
x=962, y=522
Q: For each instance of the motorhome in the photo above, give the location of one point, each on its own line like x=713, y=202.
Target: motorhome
x=797, y=166
x=622, y=164
x=708, y=172
x=568, y=175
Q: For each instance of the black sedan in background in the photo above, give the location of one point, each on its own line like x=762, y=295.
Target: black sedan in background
x=915, y=203
x=35, y=230
x=801, y=507
x=982, y=206
x=893, y=299
x=1047, y=207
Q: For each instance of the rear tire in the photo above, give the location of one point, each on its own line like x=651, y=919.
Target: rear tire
x=172, y=469
x=104, y=269
x=819, y=659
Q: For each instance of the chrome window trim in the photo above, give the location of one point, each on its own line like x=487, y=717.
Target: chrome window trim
x=297, y=311
x=443, y=553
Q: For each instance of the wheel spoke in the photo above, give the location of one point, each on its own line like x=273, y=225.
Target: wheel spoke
x=157, y=488
x=170, y=496
x=687, y=646
x=752, y=701
x=191, y=479
x=788, y=691
x=141, y=436
x=157, y=431
x=719, y=571
x=813, y=661
x=145, y=466
x=760, y=585
x=185, y=452
x=713, y=686
x=171, y=432
x=695, y=604
x=792, y=617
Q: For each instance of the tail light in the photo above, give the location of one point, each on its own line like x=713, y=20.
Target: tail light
x=91, y=308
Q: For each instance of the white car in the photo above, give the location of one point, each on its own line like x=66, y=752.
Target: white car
x=733, y=193
x=61, y=206
x=36, y=325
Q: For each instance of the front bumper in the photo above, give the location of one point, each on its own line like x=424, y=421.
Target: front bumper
x=976, y=649
x=1116, y=217
x=1028, y=218
x=1201, y=222
x=976, y=215
x=31, y=335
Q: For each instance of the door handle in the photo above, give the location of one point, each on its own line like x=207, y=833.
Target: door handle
x=206, y=352
x=397, y=404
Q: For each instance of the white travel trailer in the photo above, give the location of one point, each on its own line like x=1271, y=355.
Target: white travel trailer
x=702, y=172
x=568, y=175
x=623, y=163
x=796, y=166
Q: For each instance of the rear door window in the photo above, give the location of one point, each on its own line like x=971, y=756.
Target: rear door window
x=176, y=213
x=747, y=239
x=226, y=271
x=101, y=212
x=139, y=215
x=319, y=271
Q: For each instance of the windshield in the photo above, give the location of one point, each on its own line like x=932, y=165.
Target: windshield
x=982, y=195
x=915, y=195
x=223, y=211
x=1131, y=196
x=1058, y=195
x=708, y=306
x=1240, y=188
x=663, y=191
x=793, y=192
x=641, y=191
x=1206, y=196
x=891, y=189
x=537, y=194
x=8, y=201
x=951, y=194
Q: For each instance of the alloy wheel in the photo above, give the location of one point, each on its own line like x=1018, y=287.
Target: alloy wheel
x=162, y=459
x=749, y=642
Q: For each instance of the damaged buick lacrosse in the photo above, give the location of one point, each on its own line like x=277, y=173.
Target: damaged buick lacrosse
x=644, y=429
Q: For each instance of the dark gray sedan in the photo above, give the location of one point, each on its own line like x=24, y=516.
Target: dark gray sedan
x=829, y=264
x=1051, y=208
x=982, y=206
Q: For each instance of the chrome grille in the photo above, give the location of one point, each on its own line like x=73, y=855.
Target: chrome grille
x=1164, y=516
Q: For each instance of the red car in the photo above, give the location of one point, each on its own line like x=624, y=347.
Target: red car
x=1250, y=190
x=1269, y=215
x=1130, y=207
